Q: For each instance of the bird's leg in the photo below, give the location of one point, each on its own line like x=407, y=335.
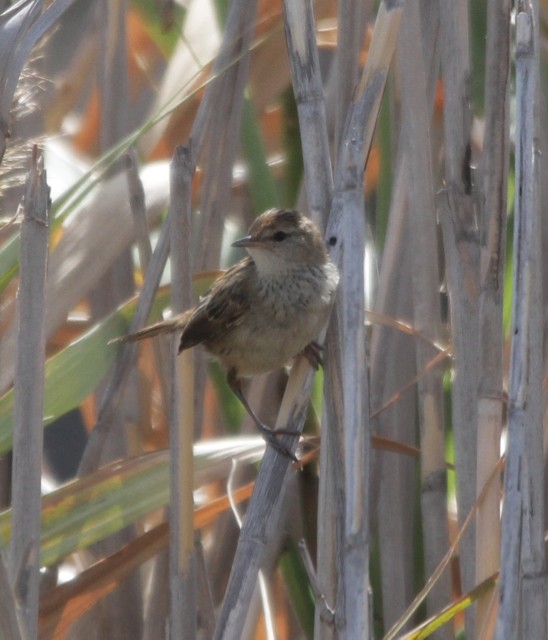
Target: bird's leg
x=269, y=434
x=313, y=353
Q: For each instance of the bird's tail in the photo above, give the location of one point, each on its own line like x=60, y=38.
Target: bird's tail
x=171, y=325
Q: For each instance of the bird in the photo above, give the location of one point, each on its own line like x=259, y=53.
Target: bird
x=266, y=309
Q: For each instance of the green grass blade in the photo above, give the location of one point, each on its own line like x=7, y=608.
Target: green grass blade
x=90, y=509
x=73, y=373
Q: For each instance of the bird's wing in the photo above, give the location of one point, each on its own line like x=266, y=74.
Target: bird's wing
x=222, y=307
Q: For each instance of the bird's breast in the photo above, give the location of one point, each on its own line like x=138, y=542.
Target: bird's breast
x=288, y=314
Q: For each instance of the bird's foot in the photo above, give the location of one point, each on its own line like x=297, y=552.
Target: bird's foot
x=313, y=353
x=271, y=437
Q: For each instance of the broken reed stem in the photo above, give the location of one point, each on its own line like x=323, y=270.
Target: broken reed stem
x=28, y=433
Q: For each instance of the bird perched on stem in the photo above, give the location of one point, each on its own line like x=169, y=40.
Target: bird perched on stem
x=266, y=309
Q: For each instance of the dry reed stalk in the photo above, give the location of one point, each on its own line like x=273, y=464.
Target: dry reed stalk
x=263, y=513
x=215, y=140
x=351, y=22
x=346, y=226
x=28, y=433
x=461, y=244
x=300, y=32
x=426, y=302
x=182, y=555
x=111, y=289
x=393, y=364
x=523, y=605
x=308, y=90
x=493, y=228
x=223, y=132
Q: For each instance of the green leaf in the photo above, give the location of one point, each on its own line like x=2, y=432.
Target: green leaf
x=90, y=509
x=165, y=39
x=73, y=373
x=294, y=167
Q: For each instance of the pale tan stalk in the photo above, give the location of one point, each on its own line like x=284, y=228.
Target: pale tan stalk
x=426, y=303
x=493, y=226
x=182, y=555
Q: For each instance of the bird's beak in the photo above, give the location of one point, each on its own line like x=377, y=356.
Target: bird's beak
x=246, y=241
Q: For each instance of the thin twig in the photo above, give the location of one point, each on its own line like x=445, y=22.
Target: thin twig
x=142, y=236
x=128, y=356
x=327, y=613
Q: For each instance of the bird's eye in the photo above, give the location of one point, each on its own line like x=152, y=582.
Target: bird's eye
x=279, y=236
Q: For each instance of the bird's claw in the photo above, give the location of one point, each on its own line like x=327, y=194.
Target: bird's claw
x=271, y=437
x=313, y=353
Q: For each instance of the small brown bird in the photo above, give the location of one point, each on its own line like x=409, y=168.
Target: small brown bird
x=266, y=309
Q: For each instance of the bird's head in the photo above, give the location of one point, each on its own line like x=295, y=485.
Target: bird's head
x=282, y=240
